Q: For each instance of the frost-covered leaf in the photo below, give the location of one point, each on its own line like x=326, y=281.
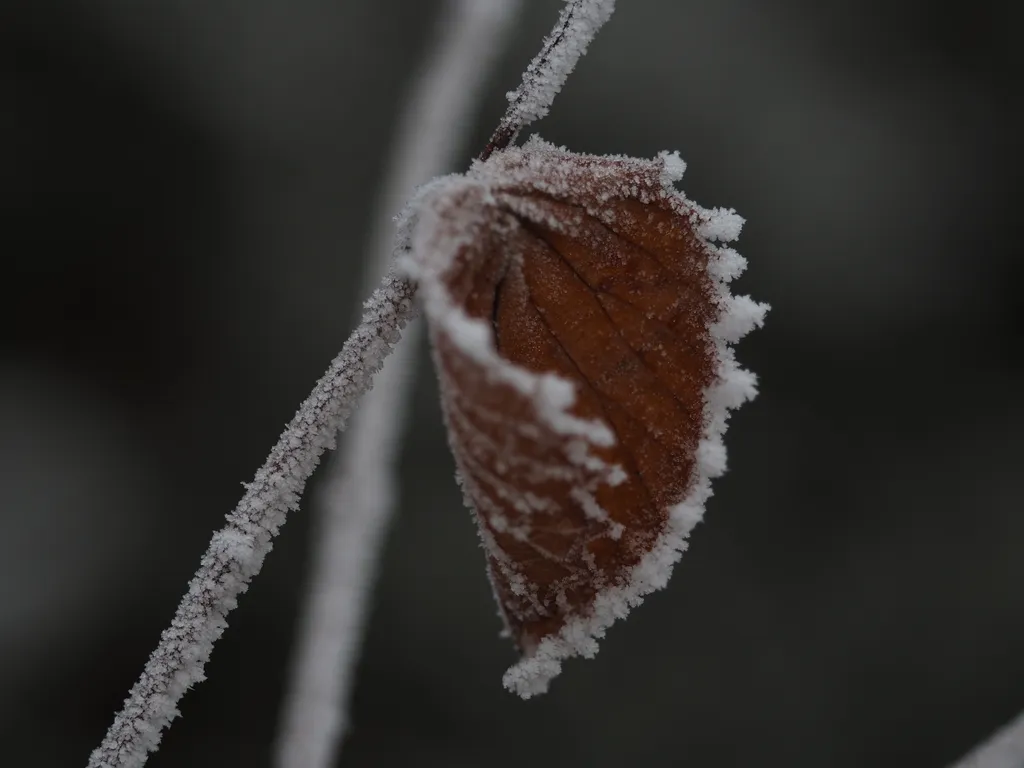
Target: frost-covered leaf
x=580, y=318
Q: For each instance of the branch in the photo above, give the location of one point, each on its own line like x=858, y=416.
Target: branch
x=356, y=503
x=236, y=552
x=544, y=78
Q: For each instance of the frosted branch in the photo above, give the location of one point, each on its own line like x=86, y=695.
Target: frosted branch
x=356, y=503
x=236, y=552
x=544, y=77
x=1005, y=749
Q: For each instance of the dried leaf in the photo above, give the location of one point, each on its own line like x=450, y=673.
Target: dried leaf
x=580, y=320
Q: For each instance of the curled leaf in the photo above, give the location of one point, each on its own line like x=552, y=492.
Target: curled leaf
x=580, y=320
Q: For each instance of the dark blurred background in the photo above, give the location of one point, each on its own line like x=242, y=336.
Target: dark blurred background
x=186, y=195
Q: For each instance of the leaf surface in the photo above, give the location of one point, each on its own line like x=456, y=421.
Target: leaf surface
x=580, y=320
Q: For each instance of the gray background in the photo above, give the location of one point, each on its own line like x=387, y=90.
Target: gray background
x=186, y=191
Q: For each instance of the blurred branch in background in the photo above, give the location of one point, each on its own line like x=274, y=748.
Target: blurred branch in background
x=355, y=505
x=1004, y=750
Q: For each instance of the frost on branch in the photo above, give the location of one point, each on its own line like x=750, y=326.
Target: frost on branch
x=581, y=321
x=237, y=551
x=577, y=25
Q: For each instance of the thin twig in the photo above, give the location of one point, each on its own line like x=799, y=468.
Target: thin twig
x=236, y=552
x=544, y=77
x=355, y=504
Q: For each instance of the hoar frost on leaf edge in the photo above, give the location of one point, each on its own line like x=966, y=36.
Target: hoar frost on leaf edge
x=553, y=395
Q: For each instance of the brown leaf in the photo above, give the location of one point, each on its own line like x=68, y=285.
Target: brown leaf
x=580, y=318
